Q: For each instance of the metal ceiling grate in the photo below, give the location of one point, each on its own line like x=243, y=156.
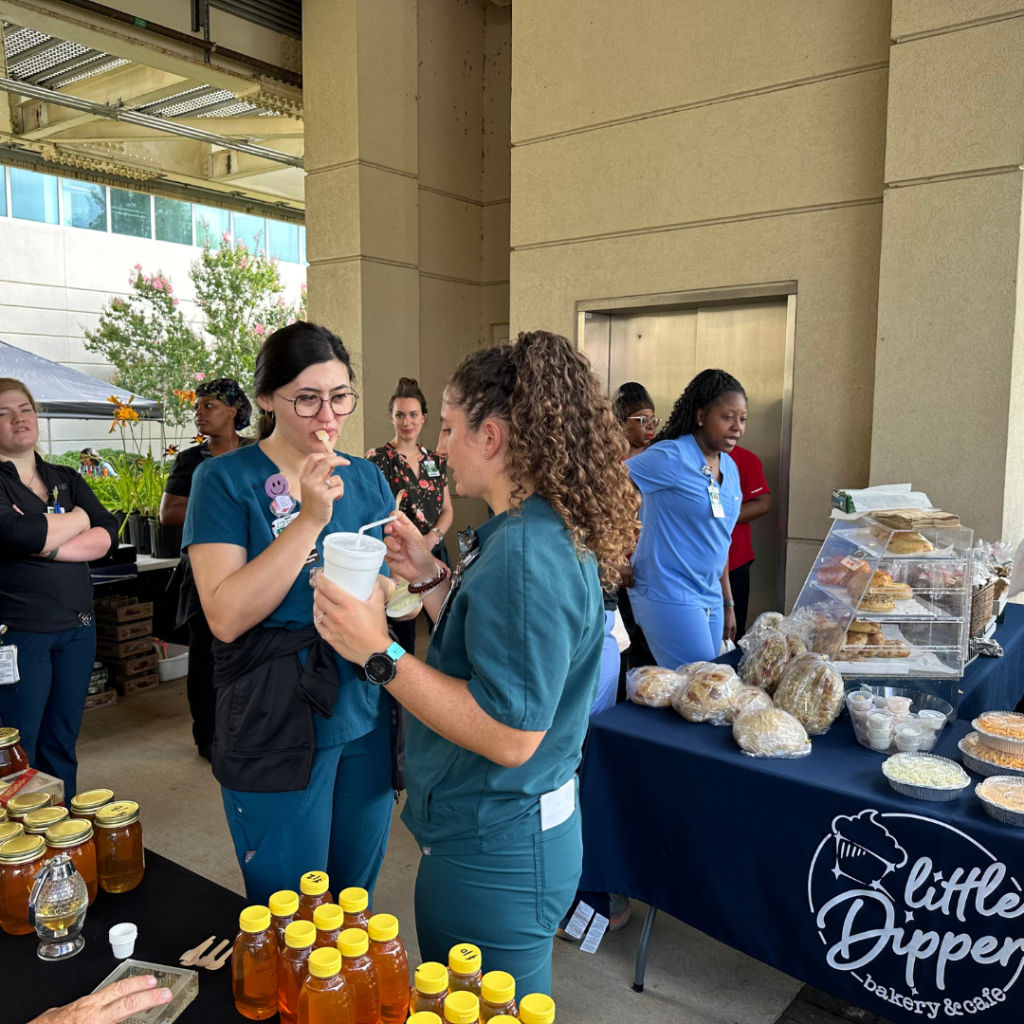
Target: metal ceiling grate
x=187, y=104
x=99, y=69
x=42, y=62
x=284, y=16
x=20, y=39
x=240, y=107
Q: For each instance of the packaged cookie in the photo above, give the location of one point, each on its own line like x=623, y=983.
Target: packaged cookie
x=763, y=664
x=771, y=732
x=652, y=686
x=812, y=691
x=706, y=693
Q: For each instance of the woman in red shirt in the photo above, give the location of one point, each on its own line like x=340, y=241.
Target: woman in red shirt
x=757, y=502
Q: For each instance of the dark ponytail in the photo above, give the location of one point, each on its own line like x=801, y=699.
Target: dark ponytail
x=408, y=387
x=701, y=394
x=630, y=398
x=286, y=353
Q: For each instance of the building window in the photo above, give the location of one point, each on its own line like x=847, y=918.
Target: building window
x=33, y=196
x=251, y=230
x=130, y=213
x=284, y=241
x=85, y=205
x=211, y=224
x=173, y=221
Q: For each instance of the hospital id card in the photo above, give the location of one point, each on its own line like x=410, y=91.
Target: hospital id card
x=9, y=664
x=716, y=501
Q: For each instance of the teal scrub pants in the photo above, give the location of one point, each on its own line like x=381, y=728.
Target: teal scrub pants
x=508, y=902
x=339, y=823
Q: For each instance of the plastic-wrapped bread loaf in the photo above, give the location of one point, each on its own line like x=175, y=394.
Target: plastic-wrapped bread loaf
x=812, y=691
x=707, y=692
x=747, y=698
x=652, y=686
x=771, y=732
x=766, y=622
x=763, y=664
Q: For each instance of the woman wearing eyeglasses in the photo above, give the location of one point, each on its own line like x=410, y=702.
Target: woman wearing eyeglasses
x=302, y=742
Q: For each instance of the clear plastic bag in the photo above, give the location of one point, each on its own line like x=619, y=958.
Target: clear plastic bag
x=771, y=732
x=763, y=663
x=766, y=622
x=652, y=686
x=812, y=691
x=706, y=693
x=747, y=698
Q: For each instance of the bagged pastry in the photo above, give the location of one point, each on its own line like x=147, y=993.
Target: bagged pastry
x=812, y=691
x=763, y=664
x=766, y=622
x=771, y=732
x=652, y=686
x=706, y=693
x=747, y=698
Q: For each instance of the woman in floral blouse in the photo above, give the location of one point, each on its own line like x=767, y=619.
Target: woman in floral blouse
x=421, y=474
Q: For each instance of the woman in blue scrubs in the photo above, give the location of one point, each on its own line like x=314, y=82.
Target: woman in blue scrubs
x=690, y=501
x=500, y=707
x=302, y=744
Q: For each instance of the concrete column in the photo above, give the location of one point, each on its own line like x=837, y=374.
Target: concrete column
x=362, y=234
x=949, y=369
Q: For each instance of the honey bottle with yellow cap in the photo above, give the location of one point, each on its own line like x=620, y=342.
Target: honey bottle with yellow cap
x=284, y=908
x=328, y=920
x=254, y=965
x=315, y=889
x=497, y=995
x=325, y=996
x=75, y=837
x=293, y=968
x=354, y=901
x=464, y=974
x=360, y=975
x=20, y=859
x=429, y=987
x=387, y=951
x=462, y=1008
x=537, y=1008
x=120, y=856
x=425, y=1017
x=504, y=1019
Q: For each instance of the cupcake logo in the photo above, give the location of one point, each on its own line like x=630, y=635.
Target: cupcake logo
x=920, y=915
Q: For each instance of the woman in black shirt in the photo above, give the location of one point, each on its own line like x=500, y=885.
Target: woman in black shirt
x=51, y=525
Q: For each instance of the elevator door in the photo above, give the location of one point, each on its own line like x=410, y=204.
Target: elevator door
x=664, y=350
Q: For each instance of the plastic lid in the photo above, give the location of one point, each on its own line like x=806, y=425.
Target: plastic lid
x=536, y=1008
x=354, y=900
x=314, y=883
x=462, y=1008
x=21, y=849
x=283, y=903
x=431, y=978
x=383, y=927
x=254, y=919
x=300, y=935
x=10, y=830
x=91, y=799
x=324, y=962
x=3, y=814
x=9, y=736
x=464, y=958
x=498, y=987
x=18, y=806
x=68, y=833
x=328, y=917
x=425, y=1017
x=353, y=942
x=504, y=1018
x=39, y=821
x=122, y=812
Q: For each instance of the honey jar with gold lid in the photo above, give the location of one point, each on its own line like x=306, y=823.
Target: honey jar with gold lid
x=13, y=758
x=10, y=830
x=88, y=802
x=20, y=859
x=3, y=814
x=120, y=856
x=37, y=822
x=20, y=805
x=75, y=837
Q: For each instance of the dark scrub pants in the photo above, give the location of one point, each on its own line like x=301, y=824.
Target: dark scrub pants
x=46, y=705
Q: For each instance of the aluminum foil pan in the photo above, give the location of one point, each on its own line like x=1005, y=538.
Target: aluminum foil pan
x=919, y=792
x=986, y=768
x=1003, y=743
x=998, y=811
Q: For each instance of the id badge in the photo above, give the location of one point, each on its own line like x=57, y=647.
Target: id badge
x=431, y=467
x=716, y=502
x=279, y=524
x=9, y=664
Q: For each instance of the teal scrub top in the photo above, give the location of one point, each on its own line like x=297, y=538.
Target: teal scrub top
x=525, y=629
x=683, y=548
x=228, y=505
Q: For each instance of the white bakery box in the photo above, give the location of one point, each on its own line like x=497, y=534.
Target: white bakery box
x=173, y=665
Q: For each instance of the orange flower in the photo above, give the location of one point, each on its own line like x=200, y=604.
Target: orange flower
x=170, y=451
x=184, y=396
x=198, y=439
x=123, y=412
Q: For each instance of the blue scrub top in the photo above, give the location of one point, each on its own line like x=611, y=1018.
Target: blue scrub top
x=229, y=506
x=525, y=629
x=683, y=548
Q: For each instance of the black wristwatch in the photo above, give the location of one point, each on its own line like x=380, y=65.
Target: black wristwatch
x=381, y=668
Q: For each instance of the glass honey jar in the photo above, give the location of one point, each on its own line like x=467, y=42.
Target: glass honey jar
x=20, y=805
x=120, y=858
x=20, y=859
x=87, y=803
x=75, y=837
x=13, y=758
x=3, y=814
x=37, y=822
x=10, y=830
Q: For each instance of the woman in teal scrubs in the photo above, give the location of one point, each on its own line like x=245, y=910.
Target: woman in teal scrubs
x=500, y=708
x=302, y=745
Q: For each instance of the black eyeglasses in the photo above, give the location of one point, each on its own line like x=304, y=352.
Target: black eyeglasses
x=308, y=406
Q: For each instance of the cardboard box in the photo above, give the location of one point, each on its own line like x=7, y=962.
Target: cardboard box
x=104, y=699
x=134, y=666
x=125, y=613
x=129, y=685
x=31, y=781
x=125, y=649
x=125, y=631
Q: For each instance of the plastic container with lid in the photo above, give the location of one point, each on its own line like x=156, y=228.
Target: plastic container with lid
x=503, y=1019
x=387, y=951
x=430, y=986
x=293, y=967
x=284, y=908
x=497, y=995
x=20, y=805
x=360, y=975
x=20, y=859
x=325, y=997
x=86, y=804
x=37, y=822
x=354, y=901
x=75, y=837
x=315, y=889
x=11, y=830
x=425, y=1017
x=461, y=1008
x=328, y=919
x=13, y=758
x=254, y=964
x=120, y=857
x=537, y=1008
x=464, y=969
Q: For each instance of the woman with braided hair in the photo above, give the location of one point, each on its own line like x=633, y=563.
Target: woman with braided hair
x=500, y=707
x=690, y=501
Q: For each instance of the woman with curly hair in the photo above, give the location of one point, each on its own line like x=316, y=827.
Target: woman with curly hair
x=691, y=499
x=500, y=707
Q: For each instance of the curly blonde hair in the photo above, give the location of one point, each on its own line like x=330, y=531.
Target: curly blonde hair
x=563, y=440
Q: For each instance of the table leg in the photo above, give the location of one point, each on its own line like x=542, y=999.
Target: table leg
x=641, y=951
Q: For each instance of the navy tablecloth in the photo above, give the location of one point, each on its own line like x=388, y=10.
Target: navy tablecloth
x=814, y=866
x=996, y=682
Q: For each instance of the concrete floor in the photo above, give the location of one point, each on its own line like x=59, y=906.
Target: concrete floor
x=142, y=749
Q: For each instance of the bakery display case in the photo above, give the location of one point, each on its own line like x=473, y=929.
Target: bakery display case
x=885, y=603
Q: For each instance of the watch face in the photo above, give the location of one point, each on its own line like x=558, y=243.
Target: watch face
x=380, y=669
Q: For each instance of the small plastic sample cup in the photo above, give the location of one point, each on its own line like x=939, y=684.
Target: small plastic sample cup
x=879, y=720
x=879, y=740
x=858, y=698
x=352, y=561
x=122, y=939
x=899, y=705
x=931, y=720
x=880, y=702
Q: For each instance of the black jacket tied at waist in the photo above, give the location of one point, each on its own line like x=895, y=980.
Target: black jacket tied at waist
x=265, y=736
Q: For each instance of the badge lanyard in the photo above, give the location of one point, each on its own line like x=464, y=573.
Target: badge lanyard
x=8, y=660
x=469, y=546
x=713, y=493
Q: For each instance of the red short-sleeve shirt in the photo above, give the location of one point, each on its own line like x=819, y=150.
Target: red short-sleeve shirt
x=753, y=485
